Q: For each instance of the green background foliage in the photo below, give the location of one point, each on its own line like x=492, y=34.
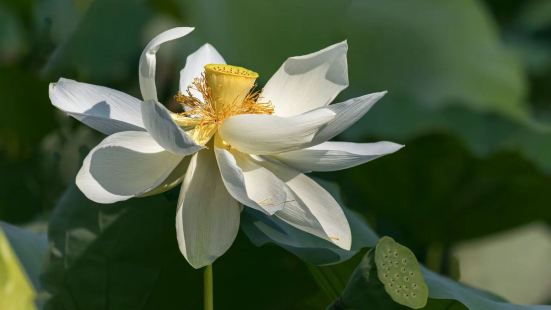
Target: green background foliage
x=469, y=96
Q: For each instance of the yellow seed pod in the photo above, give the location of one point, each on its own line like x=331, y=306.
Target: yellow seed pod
x=229, y=85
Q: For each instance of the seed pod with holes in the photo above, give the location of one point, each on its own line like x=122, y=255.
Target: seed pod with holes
x=403, y=281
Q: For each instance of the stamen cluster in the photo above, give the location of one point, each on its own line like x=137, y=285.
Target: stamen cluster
x=203, y=117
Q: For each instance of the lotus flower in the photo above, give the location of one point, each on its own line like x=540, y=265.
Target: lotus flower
x=230, y=146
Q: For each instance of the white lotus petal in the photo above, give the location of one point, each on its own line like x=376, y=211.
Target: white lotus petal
x=104, y=109
x=233, y=178
x=251, y=184
x=172, y=180
x=148, y=60
x=269, y=134
x=124, y=165
x=207, y=220
x=195, y=64
x=307, y=82
x=165, y=131
x=314, y=210
x=346, y=114
x=332, y=156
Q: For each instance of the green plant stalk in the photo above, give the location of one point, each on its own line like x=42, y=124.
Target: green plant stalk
x=208, y=301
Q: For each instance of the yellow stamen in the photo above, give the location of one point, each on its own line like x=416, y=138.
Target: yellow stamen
x=226, y=91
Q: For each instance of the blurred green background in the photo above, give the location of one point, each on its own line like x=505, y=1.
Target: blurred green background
x=469, y=86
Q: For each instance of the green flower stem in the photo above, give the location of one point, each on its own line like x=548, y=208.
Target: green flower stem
x=208, y=288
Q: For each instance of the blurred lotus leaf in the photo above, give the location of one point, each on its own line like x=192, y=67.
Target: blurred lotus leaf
x=125, y=256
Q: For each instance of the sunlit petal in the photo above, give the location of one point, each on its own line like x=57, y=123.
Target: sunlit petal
x=104, y=109
x=313, y=210
x=250, y=183
x=307, y=82
x=125, y=165
x=159, y=123
x=346, y=114
x=269, y=134
x=331, y=156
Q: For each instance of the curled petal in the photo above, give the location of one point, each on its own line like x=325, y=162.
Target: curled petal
x=148, y=60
